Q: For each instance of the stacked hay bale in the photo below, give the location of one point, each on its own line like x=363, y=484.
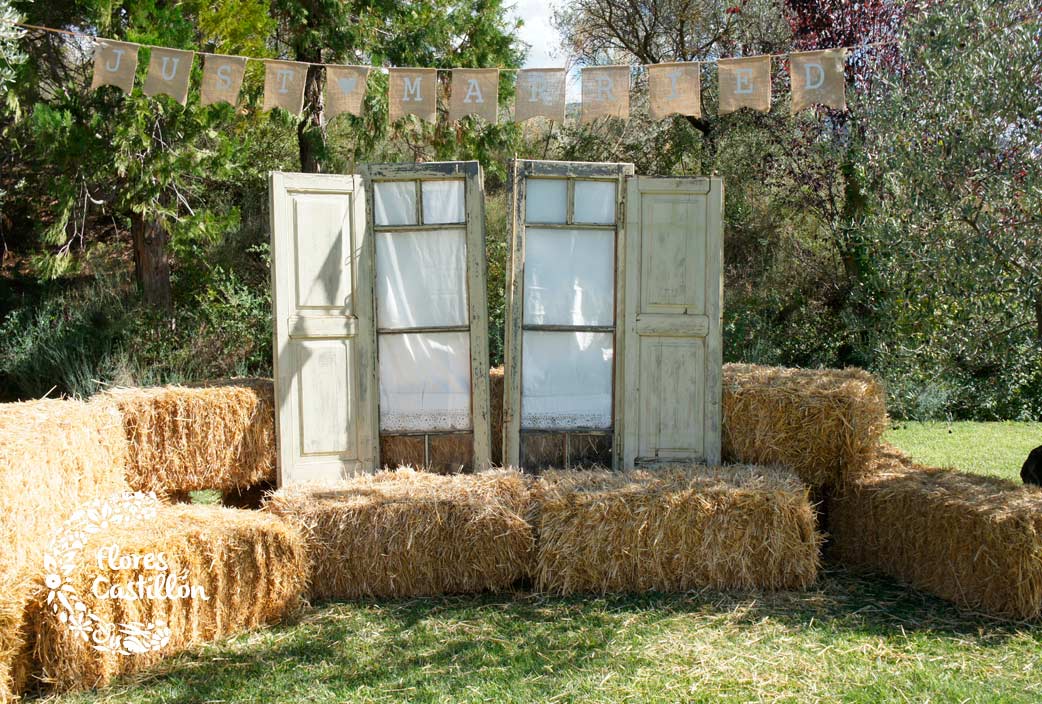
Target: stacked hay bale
x=405, y=533
x=823, y=424
x=738, y=527
x=54, y=455
x=217, y=436
x=976, y=541
x=218, y=571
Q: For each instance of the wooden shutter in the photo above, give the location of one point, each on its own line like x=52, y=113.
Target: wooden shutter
x=671, y=339
x=322, y=298
x=427, y=225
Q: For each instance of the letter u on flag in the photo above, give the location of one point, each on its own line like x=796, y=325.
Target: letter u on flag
x=345, y=90
x=540, y=93
x=284, y=85
x=168, y=73
x=745, y=83
x=674, y=88
x=475, y=91
x=606, y=92
x=818, y=77
x=412, y=91
x=222, y=79
x=115, y=64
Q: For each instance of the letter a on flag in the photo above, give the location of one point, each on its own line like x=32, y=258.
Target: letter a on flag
x=475, y=91
x=222, y=79
x=168, y=73
x=114, y=64
x=606, y=92
x=345, y=90
x=745, y=83
x=284, y=85
x=818, y=78
x=412, y=91
x=540, y=93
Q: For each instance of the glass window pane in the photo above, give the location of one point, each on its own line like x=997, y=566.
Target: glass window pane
x=443, y=202
x=394, y=202
x=595, y=202
x=546, y=200
x=424, y=382
x=566, y=380
x=421, y=278
x=569, y=277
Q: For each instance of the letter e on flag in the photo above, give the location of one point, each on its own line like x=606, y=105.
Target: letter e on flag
x=745, y=83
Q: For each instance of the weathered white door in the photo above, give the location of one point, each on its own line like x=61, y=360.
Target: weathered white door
x=671, y=341
x=323, y=312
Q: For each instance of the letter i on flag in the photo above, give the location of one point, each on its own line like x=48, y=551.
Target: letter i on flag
x=675, y=88
x=475, y=91
x=284, y=85
x=818, y=78
x=168, y=73
x=411, y=91
x=115, y=64
x=222, y=79
x=745, y=83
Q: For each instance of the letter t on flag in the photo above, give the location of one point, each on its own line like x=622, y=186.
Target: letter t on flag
x=222, y=79
x=818, y=78
x=284, y=85
x=475, y=91
x=745, y=83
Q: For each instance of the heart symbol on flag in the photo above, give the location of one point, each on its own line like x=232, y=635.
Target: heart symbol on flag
x=347, y=85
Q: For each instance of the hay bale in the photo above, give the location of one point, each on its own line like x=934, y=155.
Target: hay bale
x=54, y=455
x=219, y=435
x=738, y=527
x=823, y=424
x=974, y=540
x=250, y=565
x=406, y=533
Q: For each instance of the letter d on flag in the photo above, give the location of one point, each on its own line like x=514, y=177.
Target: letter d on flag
x=818, y=78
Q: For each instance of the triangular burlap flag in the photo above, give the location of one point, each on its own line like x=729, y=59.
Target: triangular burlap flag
x=818, y=78
x=606, y=92
x=345, y=90
x=475, y=91
x=284, y=85
x=114, y=64
x=222, y=79
x=540, y=93
x=412, y=91
x=168, y=73
x=745, y=83
x=675, y=88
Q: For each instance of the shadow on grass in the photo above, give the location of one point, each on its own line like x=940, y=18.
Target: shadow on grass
x=523, y=646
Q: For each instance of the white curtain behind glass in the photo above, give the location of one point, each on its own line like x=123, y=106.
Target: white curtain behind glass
x=566, y=380
x=425, y=382
x=569, y=277
x=421, y=279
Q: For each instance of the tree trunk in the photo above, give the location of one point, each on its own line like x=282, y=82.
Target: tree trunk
x=1038, y=316
x=311, y=133
x=151, y=259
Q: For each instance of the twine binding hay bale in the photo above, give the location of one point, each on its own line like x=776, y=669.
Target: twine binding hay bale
x=250, y=565
x=738, y=527
x=974, y=540
x=822, y=424
x=219, y=435
x=54, y=455
x=406, y=533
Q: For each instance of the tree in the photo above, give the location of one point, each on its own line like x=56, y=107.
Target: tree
x=10, y=53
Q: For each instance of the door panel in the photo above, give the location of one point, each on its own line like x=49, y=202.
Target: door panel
x=322, y=324
x=672, y=333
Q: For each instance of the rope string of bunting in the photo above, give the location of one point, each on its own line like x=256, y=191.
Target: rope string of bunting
x=817, y=78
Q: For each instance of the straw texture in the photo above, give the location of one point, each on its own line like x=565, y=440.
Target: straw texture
x=213, y=436
x=822, y=424
x=970, y=539
x=54, y=455
x=251, y=565
x=407, y=533
x=738, y=527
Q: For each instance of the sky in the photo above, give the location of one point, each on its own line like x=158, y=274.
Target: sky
x=546, y=48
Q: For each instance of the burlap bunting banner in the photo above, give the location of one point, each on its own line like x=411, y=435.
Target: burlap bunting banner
x=345, y=90
x=115, y=64
x=222, y=79
x=540, y=93
x=412, y=91
x=606, y=92
x=475, y=91
x=818, y=78
x=745, y=83
x=168, y=73
x=675, y=88
x=284, y=85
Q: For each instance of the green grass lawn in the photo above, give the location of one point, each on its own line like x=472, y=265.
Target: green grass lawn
x=850, y=638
